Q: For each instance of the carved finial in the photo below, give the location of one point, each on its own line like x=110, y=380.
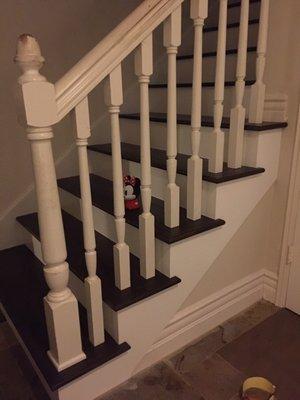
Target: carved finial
x=29, y=58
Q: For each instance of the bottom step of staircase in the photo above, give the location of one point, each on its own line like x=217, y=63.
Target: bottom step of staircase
x=22, y=288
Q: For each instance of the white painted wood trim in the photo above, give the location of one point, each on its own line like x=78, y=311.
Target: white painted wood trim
x=198, y=319
x=80, y=80
x=290, y=218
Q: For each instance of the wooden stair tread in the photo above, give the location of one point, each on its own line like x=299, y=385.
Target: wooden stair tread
x=204, y=84
x=102, y=197
x=208, y=54
x=22, y=291
x=213, y=28
x=131, y=152
x=208, y=121
x=238, y=3
x=140, y=288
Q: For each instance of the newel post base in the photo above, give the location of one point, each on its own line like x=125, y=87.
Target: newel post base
x=63, y=332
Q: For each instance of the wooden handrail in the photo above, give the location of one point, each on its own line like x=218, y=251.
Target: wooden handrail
x=80, y=80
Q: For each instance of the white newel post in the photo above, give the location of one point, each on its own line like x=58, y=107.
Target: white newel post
x=172, y=39
x=217, y=137
x=61, y=307
x=144, y=69
x=114, y=99
x=257, y=94
x=198, y=13
x=93, y=290
x=238, y=113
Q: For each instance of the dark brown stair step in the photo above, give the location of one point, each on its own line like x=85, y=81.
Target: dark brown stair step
x=208, y=54
x=208, y=121
x=204, y=84
x=230, y=25
x=238, y=3
x=102, y=197
x=22, y=288
x=131, y=152
x=140, y=288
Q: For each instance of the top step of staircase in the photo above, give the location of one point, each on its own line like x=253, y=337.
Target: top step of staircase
x=117, y=299
x=22, y=289
x=208, y=121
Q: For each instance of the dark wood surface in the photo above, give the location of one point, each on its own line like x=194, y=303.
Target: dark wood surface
x=204, y=84
x=102, y=197
x=229, y=26
x=140, y=288
x=131, y=152
x=207, y=121
x=238, y=3
x=208, y=54
x=23, y=287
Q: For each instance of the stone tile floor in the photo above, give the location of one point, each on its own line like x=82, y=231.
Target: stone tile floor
x=197, y=372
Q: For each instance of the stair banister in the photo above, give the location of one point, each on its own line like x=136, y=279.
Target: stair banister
x=97, y=64
x=198, y=13
x=144, y=69
x=238, y=113
x=172, y=39
x=257, y=92
x=114, y=99
x=61, y=307
x=92, y=283
x=217, y=136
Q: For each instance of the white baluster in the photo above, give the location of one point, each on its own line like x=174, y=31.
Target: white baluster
x=172, y=39
x=238, y=113
x=143, y=69
x=61, y=307
x=194, y=169
x=257, y=94
x=217, y=137
x=114, y=99
x=93, y=290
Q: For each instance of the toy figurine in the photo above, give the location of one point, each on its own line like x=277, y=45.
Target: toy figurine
x=257, y=388
x=132, y=190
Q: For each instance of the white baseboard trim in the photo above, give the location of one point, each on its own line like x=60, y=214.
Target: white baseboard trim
x=198, y=319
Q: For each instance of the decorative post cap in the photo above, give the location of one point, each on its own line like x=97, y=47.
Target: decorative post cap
x=28, y=49
x=29, y=57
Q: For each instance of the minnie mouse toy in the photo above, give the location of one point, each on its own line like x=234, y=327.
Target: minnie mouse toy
x=132, y=190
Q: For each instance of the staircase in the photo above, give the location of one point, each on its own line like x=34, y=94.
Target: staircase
x=117, y=277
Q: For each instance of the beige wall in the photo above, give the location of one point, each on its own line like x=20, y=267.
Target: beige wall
x=257, y=244
x=66, y=30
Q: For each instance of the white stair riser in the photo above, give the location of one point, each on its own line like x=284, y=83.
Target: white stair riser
x=104, y=224
x=158, y=100
x=210, y=39
x=101, y=166
x=185, y=68
x=159, y=135
x=233, y=14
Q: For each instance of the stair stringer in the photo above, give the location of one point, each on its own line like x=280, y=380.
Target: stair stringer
x=142, y=323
